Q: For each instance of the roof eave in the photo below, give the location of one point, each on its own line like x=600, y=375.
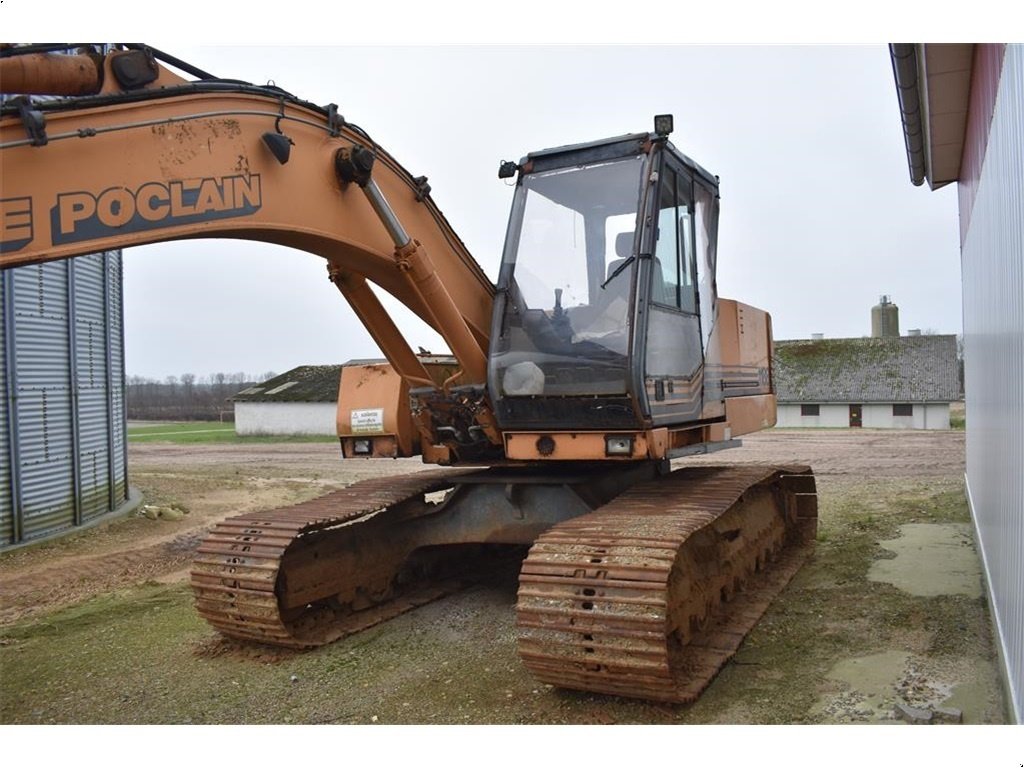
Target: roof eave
x=933, y=85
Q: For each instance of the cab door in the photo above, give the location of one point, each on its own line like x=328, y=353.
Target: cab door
x=674, y=357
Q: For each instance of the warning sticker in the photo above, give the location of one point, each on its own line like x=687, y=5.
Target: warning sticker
x=368, y=420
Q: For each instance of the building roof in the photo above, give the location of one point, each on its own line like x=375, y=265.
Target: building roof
x=305, y=384
x=316, y=383
x=904, y=369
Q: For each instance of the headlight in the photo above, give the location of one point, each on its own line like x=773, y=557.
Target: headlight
x=618, y=445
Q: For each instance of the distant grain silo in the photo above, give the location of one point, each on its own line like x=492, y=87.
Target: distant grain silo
x=62, y=429
x=885, y=319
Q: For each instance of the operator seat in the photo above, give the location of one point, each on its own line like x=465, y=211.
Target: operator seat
x=624, y=249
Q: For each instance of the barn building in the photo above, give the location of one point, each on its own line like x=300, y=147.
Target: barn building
x=897, y=382
x=63, y=443
x=962, y=108
x=303, y=401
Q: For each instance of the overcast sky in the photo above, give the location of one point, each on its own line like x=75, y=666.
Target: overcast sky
x=818, y=216
x=818, y=219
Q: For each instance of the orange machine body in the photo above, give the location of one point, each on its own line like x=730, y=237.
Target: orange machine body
x=152, y=157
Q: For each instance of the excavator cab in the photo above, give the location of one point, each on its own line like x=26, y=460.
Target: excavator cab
x=606, y=295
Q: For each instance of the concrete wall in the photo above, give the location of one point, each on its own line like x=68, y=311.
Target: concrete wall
x=992, y=263
x=926, y=416
x=285, y=418
x=829, y=416
x=873, y=416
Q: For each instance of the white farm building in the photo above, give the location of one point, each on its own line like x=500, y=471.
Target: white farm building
x=902, y=382
x=303, y=401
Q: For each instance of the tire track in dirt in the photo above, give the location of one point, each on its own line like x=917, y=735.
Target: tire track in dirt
x=79, y=578
x=129, y=551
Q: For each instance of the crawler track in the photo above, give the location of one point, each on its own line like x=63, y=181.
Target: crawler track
x=646, y=597
x=650, y=595
x=260, y=577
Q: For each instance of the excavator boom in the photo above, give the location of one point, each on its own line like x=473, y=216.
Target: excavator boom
x=170, y=159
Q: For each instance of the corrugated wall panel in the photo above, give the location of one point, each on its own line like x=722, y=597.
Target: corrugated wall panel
x=46, y=461
x=95, y=457
x=6, y=443
x=44, y=399
x=118, y=417
x=993, y=284
x=65, y=369
x=93, y=379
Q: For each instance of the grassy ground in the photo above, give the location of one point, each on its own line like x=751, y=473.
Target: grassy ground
x=211, y=432
x=957, y=416
x=140, y=653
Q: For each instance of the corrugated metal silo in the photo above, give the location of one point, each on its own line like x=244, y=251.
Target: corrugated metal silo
x=63, y=430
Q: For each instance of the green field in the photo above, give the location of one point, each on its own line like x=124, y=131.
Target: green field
x=210, y=432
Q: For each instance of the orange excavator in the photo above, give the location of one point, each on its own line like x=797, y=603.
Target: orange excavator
x=601, y=353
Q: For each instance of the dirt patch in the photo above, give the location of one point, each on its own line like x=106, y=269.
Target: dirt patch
x=100, y=628
x=212, y=482
x=871, y=687
x=220, y=647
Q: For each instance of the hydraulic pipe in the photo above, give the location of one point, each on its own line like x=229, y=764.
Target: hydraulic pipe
x=417, y=266
x=386, y=214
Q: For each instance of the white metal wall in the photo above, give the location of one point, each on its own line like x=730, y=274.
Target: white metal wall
x=873, y=416
x=286, y=418
x=993, y=305
x=62, y=437
x=8, y=489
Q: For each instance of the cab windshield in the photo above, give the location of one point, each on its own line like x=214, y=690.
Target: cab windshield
x=565, y=329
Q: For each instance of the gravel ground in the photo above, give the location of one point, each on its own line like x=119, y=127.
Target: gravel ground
x=74, y=610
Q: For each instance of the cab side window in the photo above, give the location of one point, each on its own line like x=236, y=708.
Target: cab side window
x=673, y=281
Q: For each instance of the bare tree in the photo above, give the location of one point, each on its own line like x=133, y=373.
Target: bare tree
x=185, y=397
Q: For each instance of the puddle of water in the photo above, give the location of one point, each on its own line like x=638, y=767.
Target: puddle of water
x=931, y=559
x=871, y=675
x=871, y=688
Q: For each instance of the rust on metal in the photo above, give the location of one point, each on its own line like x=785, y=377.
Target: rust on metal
x=51, y=74
x=269, y=576
x=649, y=596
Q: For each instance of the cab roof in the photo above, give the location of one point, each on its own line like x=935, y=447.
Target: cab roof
x=607, y=149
